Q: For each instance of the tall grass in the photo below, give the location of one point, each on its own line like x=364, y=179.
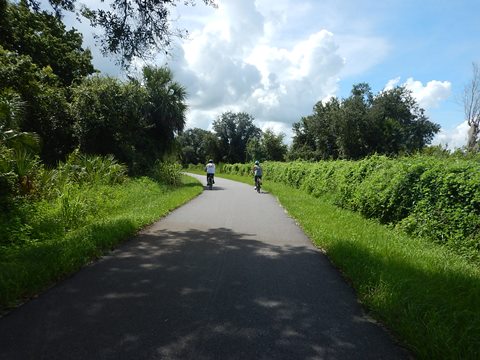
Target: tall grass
x=51, y=238
x=426, y=294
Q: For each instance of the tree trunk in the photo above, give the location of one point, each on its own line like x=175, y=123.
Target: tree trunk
x=472, y=142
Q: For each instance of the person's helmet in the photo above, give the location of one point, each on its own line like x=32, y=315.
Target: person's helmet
x=256, y=162
x=210, y=161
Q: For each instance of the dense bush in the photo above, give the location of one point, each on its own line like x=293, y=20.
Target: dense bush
x=31, y=189
x=432, y=197
x=167, y=172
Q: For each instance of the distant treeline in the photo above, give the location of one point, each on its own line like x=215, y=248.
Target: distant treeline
x=389, y=123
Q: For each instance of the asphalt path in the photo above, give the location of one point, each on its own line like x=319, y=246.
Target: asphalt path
x=227, y=276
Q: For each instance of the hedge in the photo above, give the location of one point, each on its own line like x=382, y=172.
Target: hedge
x=427, y=196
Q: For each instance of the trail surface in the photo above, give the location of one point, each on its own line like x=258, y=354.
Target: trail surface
x=227, y=276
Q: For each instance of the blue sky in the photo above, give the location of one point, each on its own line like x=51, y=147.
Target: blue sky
x=276, y=58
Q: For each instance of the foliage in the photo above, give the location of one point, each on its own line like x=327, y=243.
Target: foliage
x=44, y=241
x=8, y=179
x=234, y=131
x=167, y=173
x=108, y=117
x=86, y=169
x=46, y=107
x=424, y=294
x=197, y=146
x=12, y=110
x=164, y=111
x=130, y=28
x=136, y=121
x=27, y=182
x=269, y=146
x=363, y=124
x=434, y=198
x=45, y=40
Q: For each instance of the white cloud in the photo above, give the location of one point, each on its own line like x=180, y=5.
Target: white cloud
x=274, y=60
x=232, y=64
x=392, y=83
x=428, y=96
x=454, y=138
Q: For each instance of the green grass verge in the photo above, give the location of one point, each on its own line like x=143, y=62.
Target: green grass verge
x=428, y=296
x=109, y=215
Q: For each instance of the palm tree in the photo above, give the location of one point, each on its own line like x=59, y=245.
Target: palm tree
x=166, y=108
x=21, y=146
x=12, y=110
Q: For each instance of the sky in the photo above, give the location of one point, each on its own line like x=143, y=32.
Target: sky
x=275, y=59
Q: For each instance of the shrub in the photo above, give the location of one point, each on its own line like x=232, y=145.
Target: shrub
x=167, y=173
x=437, y=198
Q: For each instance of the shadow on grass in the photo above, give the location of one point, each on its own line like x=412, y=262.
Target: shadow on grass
x=435, y=308
x=212, y=294
x=29, y=269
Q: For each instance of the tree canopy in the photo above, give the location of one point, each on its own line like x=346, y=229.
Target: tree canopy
x=390, y=123
x=130, y=28
x=197, y=146
x=234, y=131
x=269, y=146
x=45, y=39
x=136, y=120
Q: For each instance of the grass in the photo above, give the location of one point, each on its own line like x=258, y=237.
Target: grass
x=428, y=296
x=82, y=225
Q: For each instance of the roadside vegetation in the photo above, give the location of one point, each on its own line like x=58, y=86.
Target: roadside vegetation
x=436, y=198
x=424, y=289
x=82, y=209
x=85, y=159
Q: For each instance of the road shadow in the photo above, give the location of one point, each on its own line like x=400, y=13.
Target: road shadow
x=212, y=294
x=213, y=188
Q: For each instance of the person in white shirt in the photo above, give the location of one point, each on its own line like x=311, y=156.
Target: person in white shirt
x=210, y=169
x=257, y=172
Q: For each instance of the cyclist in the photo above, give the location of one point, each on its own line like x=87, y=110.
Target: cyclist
x=210, y=169
x=257, y=172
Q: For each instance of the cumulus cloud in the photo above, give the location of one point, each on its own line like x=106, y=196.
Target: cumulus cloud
x=233, y=63
x=454, y=138
x=428, y=96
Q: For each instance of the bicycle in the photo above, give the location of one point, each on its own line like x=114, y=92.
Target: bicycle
x=258, y=183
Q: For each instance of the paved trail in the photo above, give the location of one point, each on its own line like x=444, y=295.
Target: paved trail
x=228, y=276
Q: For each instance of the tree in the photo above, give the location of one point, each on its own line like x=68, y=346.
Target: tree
x=390, y=122
x=197, y=146
x=234, y=130
x=46, y=107
x=131, y=28
x=471, y=105
x=12, y=111
x=269, y=146
x=275, y=148
x=399, y=125
x=351, y=126
x=44, y=38
x=136, y=121
x=315, y=135
x=165, y=111
x=255, y=150
x=108, y=117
